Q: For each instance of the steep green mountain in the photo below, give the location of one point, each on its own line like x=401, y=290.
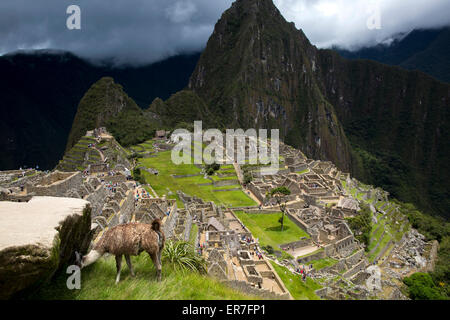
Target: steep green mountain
x=398, y=124
x=105, y=104
x=257, y=71
x=40, y=92
x=386, y=125
x=181, y=109
x=424, y=50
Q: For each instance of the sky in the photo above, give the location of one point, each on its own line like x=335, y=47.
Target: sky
x=145, y=31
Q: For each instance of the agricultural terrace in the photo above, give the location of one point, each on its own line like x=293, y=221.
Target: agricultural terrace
x=267, y=229
x=389, y=227
x=299, y=289
x=168, y=181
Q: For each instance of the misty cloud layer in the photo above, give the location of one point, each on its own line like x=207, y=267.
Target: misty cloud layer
x=145, y=31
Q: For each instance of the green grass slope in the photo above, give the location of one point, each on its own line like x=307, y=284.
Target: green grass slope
x=97, y=283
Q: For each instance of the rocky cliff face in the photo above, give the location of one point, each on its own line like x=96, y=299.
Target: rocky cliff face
x=258, y=71
x=386, y=125
x=398, y=124
x=39, y=237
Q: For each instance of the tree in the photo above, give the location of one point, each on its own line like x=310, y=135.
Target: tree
x=210, y=169
x=421, y=287
x=280, y=194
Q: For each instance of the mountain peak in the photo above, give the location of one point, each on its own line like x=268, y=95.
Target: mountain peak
x=258, y=70
x=104, y=100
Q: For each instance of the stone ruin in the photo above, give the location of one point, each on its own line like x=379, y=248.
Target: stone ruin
x=230, y=257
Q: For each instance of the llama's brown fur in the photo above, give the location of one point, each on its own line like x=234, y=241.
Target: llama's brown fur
x=129, y=240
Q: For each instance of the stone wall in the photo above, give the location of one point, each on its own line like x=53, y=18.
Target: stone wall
x=127, y=207
x=297, y=244
x=298, y=222
x=21, y=181
x=98, y=167
x=432, y=256
x=97, y=199
x=188, y=227
x=353, y=259
x=329, y=250
x=344, y=245
x=321, y=293
x=262, y=211
x=314, y=256
x=360, y=266
x=247, y=288
x=384, y=249
x=55, y=184
x=222, y=183
x=116, y=178
x=170, y=221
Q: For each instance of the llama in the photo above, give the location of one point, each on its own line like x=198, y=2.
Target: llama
x=128, y=240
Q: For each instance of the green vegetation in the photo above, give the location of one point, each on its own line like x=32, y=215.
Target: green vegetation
x=322, y=263
x=299, y=289
x=193, y=234
x=247, y=173
x=137, y=176
x=195, y=185
x=130, y=127
x=393, y=227
x=434, y=228
x=211, y=169
x=361, y=225
x=431, y=227
x=421, y=287
x=106, y=104
x=97, y=283
x=74, y=159
x=183, y=257
x=181, y=110
x=280, y=194
x=265, y=227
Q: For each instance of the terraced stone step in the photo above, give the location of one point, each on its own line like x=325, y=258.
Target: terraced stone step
x=382, y=252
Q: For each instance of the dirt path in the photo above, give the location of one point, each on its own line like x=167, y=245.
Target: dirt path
x=101, y=153
x=238, y=170
x=251, y=195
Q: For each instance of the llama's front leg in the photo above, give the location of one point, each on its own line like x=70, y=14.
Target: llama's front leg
x=128, y=260
x=119, y=267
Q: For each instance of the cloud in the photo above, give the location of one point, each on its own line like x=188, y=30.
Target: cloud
x=128, y=31
x=344, y=22
x=145, y=31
